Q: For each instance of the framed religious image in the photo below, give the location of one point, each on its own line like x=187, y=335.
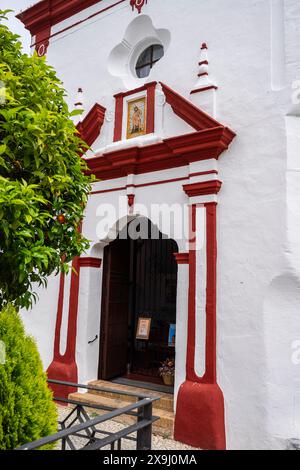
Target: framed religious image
x=136, y=118
x=143, y=328
x=172, y=336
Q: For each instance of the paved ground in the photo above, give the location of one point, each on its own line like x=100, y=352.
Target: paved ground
x=159, y=443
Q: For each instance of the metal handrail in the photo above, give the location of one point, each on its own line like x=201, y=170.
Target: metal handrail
x=143, y=426
x=99, y=389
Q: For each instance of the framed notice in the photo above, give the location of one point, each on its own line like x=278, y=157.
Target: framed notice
x=172, y=336
x=136, y=118
x=143, y=328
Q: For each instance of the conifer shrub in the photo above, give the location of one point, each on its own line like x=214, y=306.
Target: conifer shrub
x=27, y=410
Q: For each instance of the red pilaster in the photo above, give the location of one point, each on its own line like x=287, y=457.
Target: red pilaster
x=64, y=367
x=42, y=40
x=118, y=118
x=200, y=419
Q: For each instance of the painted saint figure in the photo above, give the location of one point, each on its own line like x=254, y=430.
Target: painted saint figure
x=137, y=125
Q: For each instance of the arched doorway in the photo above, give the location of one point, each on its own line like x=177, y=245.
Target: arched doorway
x=139, y=291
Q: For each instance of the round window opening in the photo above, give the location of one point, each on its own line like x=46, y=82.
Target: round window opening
x=148, y=59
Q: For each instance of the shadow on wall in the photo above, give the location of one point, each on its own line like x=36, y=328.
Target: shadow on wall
x=282, y=341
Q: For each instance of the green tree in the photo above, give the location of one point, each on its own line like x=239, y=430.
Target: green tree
x=43, y=188
x=27, y=411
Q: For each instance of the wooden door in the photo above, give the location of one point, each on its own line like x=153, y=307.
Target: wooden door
x=114, y=316
x=155, y=298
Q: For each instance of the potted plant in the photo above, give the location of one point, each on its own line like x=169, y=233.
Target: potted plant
x=167, y=372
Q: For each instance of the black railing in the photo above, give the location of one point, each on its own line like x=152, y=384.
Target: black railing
x=78, y=431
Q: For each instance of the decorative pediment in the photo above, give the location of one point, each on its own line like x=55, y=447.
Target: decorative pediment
x=90, y=128
x=119, y=159
x=187, y=111
x=170, y=153
x=182, y=108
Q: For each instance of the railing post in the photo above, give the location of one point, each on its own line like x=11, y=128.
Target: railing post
x=144, y=436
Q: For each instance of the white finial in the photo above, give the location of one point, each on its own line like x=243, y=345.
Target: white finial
x=203, y=83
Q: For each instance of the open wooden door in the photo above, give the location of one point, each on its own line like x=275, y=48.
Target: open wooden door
x=114, y=317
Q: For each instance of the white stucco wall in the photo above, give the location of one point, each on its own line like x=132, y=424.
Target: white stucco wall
x=254, y=59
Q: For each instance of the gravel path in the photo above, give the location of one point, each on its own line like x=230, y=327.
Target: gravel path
x=158, y=443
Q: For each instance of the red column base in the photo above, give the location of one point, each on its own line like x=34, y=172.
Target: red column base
x=65, y=372
x=200, y=418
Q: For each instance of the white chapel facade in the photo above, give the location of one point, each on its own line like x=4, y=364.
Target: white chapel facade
x=191, y=110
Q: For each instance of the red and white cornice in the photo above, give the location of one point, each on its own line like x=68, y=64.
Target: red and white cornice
x=51, y=12
x=47, y=13
x=170, y=153
x=203, y=188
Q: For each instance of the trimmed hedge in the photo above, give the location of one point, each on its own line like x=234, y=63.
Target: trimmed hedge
x=27, y=411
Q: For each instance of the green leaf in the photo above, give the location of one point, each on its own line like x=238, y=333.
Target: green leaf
x=41, y=174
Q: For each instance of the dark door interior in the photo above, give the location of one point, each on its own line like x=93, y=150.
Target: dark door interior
x=114, y=320
x=140, y=281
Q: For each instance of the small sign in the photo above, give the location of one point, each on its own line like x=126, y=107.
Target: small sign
x=143, y=329
x=172, y=336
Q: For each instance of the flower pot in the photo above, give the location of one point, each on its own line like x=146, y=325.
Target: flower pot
x=168, y=379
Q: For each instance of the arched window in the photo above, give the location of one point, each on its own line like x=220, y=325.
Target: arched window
x=148, y=59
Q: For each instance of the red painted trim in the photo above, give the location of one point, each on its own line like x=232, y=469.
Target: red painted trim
x=210, y=375
x=118, y=118
x=211, y=293
x=138, y=4
x=188, y=111
x=151, y=108
x=170, y=153
x=73, y=310
x=204, y=173
x=182, y=258
x=200, y=420
x=42, y=41
x=136, y=90
x=203, y=189
x=131, y=198
x=206, y=88
x=144, y=185
x=64, y=367
x=203, y=74
x=200, y=417
x=59, y=317
x=84, y=20
x=154, y=183
x=90, y=263
x=119, y=97
x=157, y=183
x=203, y=62
x=90, y=127
x=112, y=190
x=191, y=341
x=51, y=12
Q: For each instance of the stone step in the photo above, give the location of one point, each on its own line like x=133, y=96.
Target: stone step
x=166, y=400
x=164, y=427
